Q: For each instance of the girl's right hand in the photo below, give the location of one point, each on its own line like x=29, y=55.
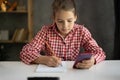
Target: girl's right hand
x=51, y=61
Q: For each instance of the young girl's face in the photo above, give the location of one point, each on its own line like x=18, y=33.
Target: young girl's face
x=65, y=21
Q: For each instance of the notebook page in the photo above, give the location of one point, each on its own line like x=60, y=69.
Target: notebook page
x=44, y=68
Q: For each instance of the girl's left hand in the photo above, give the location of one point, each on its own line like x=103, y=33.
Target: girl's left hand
x=86, y=64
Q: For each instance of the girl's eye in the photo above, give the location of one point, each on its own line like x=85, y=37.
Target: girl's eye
x=69, y=20
x=60, y=21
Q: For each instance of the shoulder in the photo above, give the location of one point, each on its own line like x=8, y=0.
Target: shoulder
x=47, y=27
x=80, y=28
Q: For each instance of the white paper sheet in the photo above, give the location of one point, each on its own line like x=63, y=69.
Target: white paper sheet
x=44, y=68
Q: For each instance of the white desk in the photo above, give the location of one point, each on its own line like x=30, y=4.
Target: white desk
x=106, y=70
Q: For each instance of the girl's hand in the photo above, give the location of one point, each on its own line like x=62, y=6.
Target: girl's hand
x=51, y=61
x=86, y=64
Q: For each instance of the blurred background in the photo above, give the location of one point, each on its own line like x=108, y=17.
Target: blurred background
x=101, y=17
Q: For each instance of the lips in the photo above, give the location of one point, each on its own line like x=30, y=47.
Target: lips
x=64, y=30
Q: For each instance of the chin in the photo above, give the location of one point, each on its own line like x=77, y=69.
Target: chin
x=66, y=33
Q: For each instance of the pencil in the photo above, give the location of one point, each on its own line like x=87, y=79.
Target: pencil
x=50, y=50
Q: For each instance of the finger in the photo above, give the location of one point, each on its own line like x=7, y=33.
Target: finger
x=89, y=62
x=50, y=64
x=59, y=61
x=78, y=65
x=86, y=61
x=56, y=60
x=51, y=61
x=83, y=66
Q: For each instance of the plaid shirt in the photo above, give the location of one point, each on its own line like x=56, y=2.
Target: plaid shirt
x=66, y=48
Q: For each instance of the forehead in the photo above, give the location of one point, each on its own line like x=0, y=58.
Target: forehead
x=62, y=14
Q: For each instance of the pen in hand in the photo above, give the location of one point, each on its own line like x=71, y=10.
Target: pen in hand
x=50, y=50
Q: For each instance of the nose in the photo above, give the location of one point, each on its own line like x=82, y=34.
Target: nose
x=65, y=24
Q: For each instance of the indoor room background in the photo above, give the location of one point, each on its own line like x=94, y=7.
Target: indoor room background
x=97, y=15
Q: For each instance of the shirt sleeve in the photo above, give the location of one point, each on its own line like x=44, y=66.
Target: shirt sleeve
x=31, y=51
x=90, y=45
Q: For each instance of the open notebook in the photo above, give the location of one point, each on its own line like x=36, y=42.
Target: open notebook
x=44, y=68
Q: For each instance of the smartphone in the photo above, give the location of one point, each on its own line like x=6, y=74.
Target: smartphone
x=43, y=78
x=81, y=57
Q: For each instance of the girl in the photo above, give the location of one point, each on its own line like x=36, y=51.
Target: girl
x=65, y=38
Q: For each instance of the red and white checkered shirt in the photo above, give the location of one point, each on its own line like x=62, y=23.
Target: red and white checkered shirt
x=66, y=48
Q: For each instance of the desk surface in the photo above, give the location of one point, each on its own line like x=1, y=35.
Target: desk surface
x=106, y=70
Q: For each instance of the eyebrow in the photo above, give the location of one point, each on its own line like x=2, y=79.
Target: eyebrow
x=67, y=19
